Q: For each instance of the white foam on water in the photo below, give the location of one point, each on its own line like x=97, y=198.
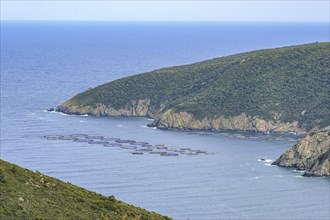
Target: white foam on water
x=265, y=160
x=254, y=178
x=145, y=126
x=299, y=171
x=85, y=115
x=55, y=112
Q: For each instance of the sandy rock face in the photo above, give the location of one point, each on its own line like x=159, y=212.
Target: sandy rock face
x=311, y=154
x=135, y=108
x=184, y=120
x=169, y=119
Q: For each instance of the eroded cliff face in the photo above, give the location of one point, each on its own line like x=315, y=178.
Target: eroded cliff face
x=243, y=122
x=311, y=154
x=135, y=108
x=168, y=119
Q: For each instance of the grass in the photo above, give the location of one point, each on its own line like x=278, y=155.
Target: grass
x=31, y=195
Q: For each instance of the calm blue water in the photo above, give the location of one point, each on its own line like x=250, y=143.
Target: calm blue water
x=43, y=64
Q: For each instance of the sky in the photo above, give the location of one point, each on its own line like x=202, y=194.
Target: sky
x=162, y=10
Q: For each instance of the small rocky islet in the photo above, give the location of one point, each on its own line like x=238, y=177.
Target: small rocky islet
x=135, y=147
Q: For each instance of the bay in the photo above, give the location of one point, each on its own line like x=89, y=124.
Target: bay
x=45, y=63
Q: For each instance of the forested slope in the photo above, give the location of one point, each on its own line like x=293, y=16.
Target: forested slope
x=282, y=89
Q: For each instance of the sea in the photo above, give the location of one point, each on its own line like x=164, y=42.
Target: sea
x=45, y=63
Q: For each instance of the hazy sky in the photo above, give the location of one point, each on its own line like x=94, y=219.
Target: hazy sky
x=260, y=10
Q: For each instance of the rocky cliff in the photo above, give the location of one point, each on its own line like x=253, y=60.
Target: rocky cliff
x=182, y=120
x=242, y=122
x=311, y=154
x=138, y=108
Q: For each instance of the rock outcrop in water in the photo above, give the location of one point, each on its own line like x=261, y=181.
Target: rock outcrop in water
x=311, y=154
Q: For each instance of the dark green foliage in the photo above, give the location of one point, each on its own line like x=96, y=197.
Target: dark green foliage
x=286, y=84
x=112, y=198
x=13, y=169
x=30, y=195
x=2, y=176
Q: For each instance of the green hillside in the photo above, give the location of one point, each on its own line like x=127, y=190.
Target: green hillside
x=31, y=195
x=284, y=84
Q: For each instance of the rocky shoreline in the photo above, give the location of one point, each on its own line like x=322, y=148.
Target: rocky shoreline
x=138, y=108
x=242, y=122
x=311, y=154
x=168, y=119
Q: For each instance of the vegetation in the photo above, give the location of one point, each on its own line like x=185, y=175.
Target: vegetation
x=285, y=84
x=32, y=195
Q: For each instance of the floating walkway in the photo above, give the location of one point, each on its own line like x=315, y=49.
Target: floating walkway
x=134, y=147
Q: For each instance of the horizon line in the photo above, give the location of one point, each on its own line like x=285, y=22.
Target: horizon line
x=183, y=21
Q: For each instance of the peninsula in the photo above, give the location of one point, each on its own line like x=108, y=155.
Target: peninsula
x=273, y=90
x=282, y=90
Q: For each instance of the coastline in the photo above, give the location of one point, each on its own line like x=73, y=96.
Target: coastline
x=184, y=120
x=319, y=166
